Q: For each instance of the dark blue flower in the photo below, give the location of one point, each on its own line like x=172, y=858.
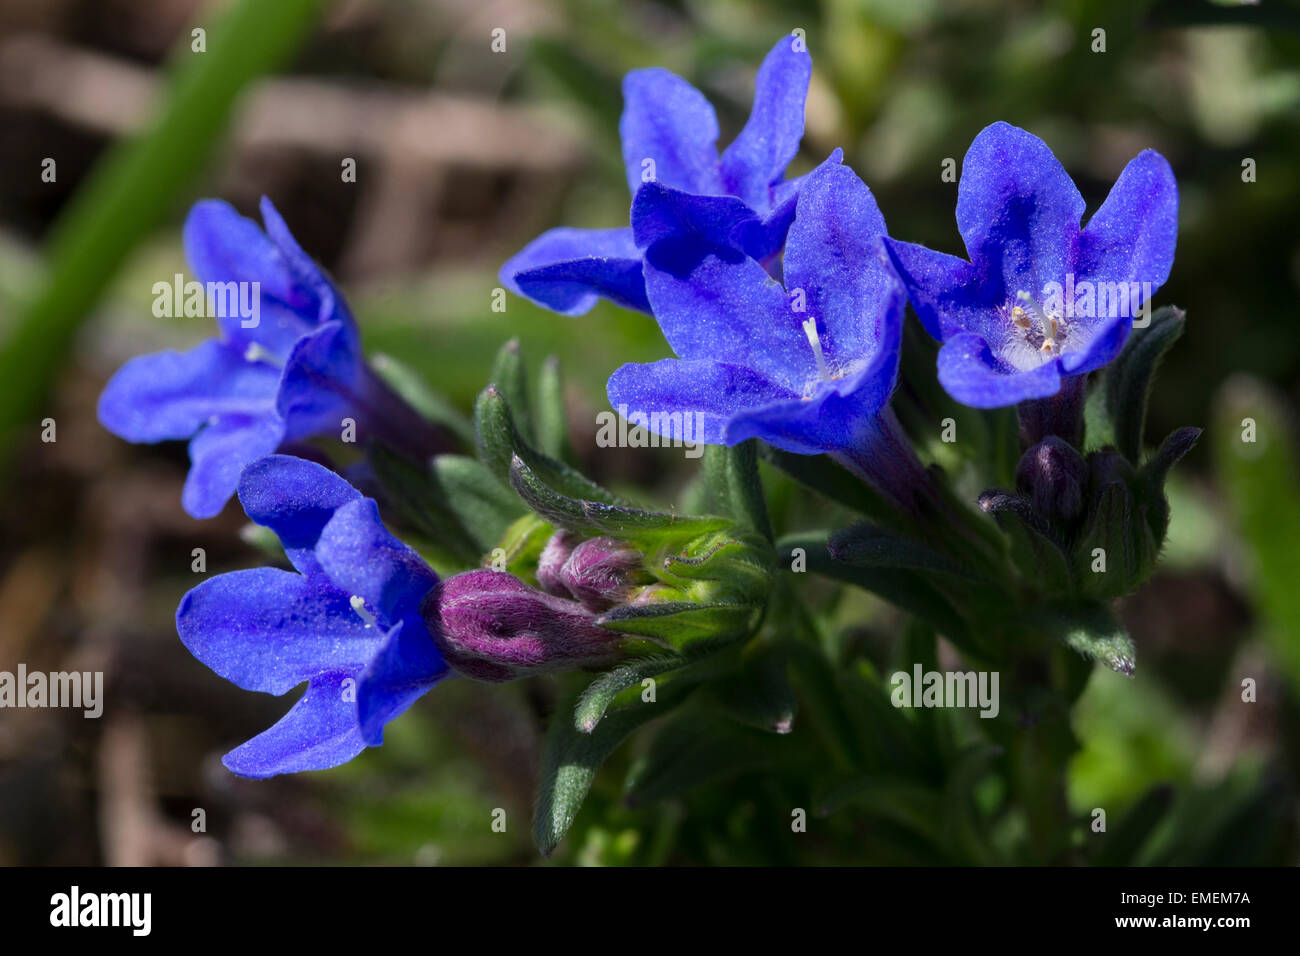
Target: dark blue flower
x=296, y=371
x=1041, y=300
x=739, y=200
x=347, y=623
x=808, y=367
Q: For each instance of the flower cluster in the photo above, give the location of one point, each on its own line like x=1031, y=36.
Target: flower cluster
x=783, y=301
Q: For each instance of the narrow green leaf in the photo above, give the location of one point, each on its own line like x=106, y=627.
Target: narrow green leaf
x=1128, y=379
x=421, y=504
x=1091, y=630
x=484, y=506
x=907, y=589
x=511, y=380
x=570, y=758
x=868, y=545
x=402, y=379
x=552, y=418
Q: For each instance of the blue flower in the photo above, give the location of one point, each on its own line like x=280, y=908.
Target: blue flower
x=295, y=371
x=739, y=200
x=347, y=623
x=1041, y=300
x=808, y=367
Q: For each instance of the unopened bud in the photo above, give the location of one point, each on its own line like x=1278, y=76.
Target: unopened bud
x=1052, y=475
x=491, y=626
x=599, y=572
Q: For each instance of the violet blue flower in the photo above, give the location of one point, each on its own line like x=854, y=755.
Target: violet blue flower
x=292, y=370
x=347, y=623
x=1041, y=302
x=808, y=368
x=739, y=200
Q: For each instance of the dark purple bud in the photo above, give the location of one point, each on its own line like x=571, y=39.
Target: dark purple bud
x=601, y=572
x=1052, y=475
x=491, y=626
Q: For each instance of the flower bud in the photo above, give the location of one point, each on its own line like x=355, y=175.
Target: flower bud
x=551, y=562
x=491, y=626
x=599, y=572
x=1052, y=474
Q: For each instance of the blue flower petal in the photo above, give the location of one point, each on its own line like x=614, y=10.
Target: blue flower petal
x=661, y=212
x=721, y=306
x=1101, y=350
x=1131, y=238
x=320, y=382
x=567, y=270
x=269, y=630
x=1017, y=209
x=405, y=669
x=296, y=499
x=361, y=557
x=223, y=246
x=947, y=293
x=669, y=122
x=769, y=238
x=970, y=373
x=319, y=732
x=711, y=392
x=171, y=395
x=757, y=158
x=219, y=453
x=834, y=254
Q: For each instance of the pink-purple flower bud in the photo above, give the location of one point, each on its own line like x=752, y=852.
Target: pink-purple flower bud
x=599, y=572
x=491, y=626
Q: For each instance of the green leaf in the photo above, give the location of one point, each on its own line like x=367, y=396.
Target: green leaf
x=1091, y=630
x=484, y=506
x=599, y=517
x=421, y=504
x=904, y=588
x=758, y=693
x=615, y=684
x=1153, y=474
x=500, y=442
x=680, y=757
x=871, y=546
x=1038, y=554
x=511, y=380
x=136, y=185
x=570, y=758
x=683, y=626
x=731, y=475
x=1128, y=379
x=552, y=418
x=890, y=797
x=824, y=476
x=413, y=389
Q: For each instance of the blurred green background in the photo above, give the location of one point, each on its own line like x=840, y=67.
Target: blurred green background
x=463, y=154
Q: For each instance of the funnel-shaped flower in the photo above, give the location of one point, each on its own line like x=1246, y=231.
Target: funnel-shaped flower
x=1041, y=299
x=808, y=367
x=287, y=367
x=739, y=200
x=347, y=623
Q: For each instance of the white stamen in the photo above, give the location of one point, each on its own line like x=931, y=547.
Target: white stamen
x=810, y=330
x=359, y=605
x=256, y=353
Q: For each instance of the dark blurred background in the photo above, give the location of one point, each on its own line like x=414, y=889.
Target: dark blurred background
x=463, y=154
